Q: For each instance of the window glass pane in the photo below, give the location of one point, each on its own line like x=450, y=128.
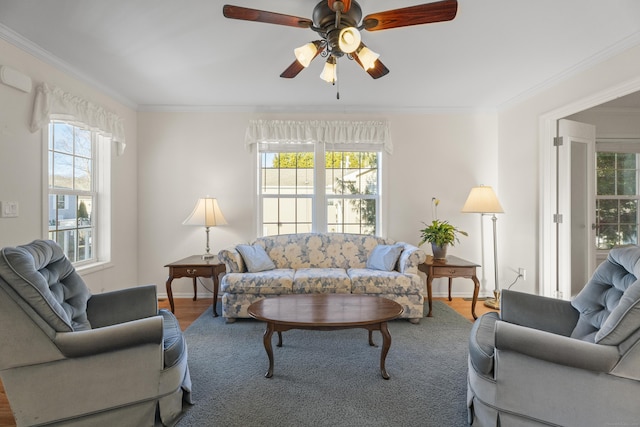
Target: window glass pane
x=62, y=171
x=82, y=142
x=606, y=236
x=82, y=174
x=607, y=211
x=304, y=210
x=85, y=206
x=628, y=211
x=67, y=216
x=67, y=240
x=52, y=212
x=626, y=182
x=287, y=210
x=626, y=161
x=270, y=210
x=63, y=137
x=606, y=182
x=84, y=244
x=287, y=229
x=628, y=234
x=270, y=179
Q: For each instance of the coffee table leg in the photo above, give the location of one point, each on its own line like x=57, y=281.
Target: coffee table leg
x=386, y=344
x=268, y=333
x=371, y=343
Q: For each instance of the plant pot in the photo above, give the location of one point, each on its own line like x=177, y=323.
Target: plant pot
x=439, y=252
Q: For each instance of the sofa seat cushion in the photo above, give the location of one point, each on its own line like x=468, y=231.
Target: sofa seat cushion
x=369, y=281
x=482, y=343
x=321, y=280
x=272, y=282
x=173, y=340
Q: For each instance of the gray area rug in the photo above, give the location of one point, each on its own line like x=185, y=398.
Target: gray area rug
x=329, y=378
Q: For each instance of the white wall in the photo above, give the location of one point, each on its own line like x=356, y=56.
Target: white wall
x=611, y=122
x=21, y=168
x=184, y=156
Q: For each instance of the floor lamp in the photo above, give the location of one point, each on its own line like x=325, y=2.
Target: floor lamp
x=207, y=213
x=483, y=200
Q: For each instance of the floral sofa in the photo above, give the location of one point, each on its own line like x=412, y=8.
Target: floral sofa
x=322, y=263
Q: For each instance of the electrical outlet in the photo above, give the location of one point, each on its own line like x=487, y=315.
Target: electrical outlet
x=8, y=209
x=522, y=273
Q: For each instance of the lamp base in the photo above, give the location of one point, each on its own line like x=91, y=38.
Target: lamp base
x=493, y=302
x=208, y=256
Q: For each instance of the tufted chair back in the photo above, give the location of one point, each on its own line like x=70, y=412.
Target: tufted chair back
x=45, y=279
x=609, y=304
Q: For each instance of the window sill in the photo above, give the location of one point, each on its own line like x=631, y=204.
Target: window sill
x=94, y=267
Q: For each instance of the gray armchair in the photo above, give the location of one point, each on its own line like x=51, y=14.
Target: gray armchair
x=75, y=359
x=551, y=362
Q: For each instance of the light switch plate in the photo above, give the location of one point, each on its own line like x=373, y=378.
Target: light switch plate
x=8, y=209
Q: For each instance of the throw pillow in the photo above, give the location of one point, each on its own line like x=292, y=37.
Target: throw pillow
x=384, y=257
x=256, y=258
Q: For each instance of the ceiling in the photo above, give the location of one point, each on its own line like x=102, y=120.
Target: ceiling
x=153, y=54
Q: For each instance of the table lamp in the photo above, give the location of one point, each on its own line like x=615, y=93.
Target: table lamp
x=483, y=200
x=207, y=213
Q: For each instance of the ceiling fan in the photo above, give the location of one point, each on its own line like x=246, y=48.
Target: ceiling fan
x=339, y=22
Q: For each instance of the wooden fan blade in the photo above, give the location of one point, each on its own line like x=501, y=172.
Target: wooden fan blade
x=295, y=67
x=246, y=14
x=346, y=5
x=292, y=70
x=413, y=15
x=378, y=70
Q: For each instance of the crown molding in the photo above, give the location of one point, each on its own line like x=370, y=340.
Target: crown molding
x=38, y=52
x=615, y=49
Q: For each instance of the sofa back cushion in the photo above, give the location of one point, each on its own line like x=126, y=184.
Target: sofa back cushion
x=44, y=278
x=609, y=304
x=320, y=250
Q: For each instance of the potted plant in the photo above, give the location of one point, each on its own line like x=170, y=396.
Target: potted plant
x=440, y=234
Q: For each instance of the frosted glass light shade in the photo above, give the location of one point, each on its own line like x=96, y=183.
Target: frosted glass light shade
x=349, y=39
x=305, y=53
x=367, y=57
x=482, y=199
x=207, y=213
x=329, y=72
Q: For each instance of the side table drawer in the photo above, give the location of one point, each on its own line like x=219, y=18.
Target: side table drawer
x=446, y=271
x=192, y=272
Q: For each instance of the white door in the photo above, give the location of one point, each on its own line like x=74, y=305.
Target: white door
x=575, y=206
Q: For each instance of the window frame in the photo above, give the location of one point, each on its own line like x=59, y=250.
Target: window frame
x=618, y=146
x=319, y=196
x=101, y=192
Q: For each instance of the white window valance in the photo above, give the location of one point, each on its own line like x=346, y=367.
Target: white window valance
x=364, y=134
x=53, y=101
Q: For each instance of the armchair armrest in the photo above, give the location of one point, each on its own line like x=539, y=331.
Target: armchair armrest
x=538, y=312
x=555, y=348
x=110, y=338
x=124, y=305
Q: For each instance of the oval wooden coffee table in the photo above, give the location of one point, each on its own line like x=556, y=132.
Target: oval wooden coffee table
x=326, y=312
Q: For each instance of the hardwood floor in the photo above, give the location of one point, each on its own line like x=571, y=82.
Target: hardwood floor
x=187, y=311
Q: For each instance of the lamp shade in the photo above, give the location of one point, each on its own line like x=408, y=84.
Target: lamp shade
x=482, y=199
x=329, y=71
x=367, y=57
x=349, y=39
x=305, y=53
x=206, y=213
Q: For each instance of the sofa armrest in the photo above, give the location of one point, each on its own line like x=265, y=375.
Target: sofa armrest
x=555, y=348
x=538, y=312
x=110, y=338
x=411, y=257
x=232, y=260
x=121, y=306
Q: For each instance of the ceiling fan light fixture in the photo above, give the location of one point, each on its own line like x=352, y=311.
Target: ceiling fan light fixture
x=367, y=57
x=305, y=53
x=329, y=71
x=349, y=39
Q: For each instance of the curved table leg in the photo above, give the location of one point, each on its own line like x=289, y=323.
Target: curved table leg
x=371, y=343
x=386, y=344
x=476, y=289
x=279, y=339
x=268, y=333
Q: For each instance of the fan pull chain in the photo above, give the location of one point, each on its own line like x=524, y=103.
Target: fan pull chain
x=338, y=85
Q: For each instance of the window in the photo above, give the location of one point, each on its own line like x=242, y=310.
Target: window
x=617, y=198
x=74, y=191
x=303, y=188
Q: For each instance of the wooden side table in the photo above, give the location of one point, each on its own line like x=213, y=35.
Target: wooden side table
x=194, y=266
x=450, y=267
